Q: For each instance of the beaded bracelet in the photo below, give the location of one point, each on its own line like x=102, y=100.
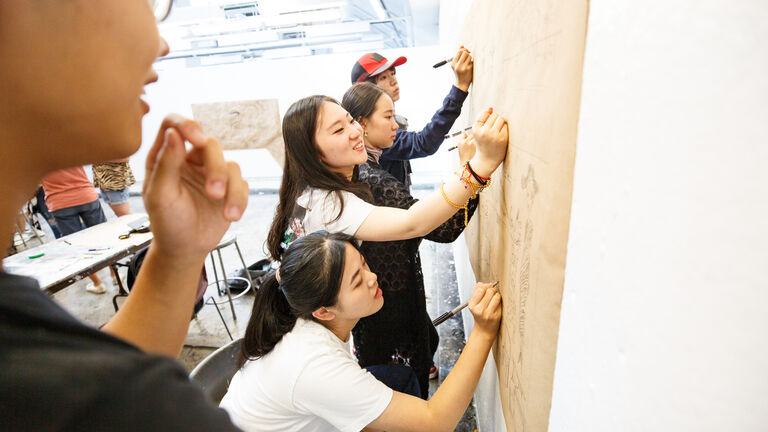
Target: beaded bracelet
x=480, y=179
x=465, y=177
x=456, y=206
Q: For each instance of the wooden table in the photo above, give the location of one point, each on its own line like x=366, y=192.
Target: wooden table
x=62, y=262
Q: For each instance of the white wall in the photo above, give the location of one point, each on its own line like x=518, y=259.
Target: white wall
x=663, y=324
x=422, y=88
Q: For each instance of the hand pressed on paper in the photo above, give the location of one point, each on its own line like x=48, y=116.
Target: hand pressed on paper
x=193, y=195
x=492, y=135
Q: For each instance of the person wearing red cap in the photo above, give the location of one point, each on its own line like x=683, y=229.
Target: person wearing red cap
x=377, y=69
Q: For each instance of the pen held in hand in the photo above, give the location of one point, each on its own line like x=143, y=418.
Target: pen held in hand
x=451, y=135
x=441, y=63
x=444, y=317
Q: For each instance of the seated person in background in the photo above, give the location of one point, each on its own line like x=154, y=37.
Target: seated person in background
x=77, y=70
x=375, y=68
x=296, y=370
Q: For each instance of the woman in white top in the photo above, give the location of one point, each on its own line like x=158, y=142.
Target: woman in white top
x=297, y=372
x=320, y=191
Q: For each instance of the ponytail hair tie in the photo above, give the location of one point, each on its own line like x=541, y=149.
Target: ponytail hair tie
x=277, y=275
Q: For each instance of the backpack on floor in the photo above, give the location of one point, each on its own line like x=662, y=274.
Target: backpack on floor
x=133, y=270
x=257, y=270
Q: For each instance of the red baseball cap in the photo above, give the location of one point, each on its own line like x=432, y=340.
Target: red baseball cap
x=372, y=64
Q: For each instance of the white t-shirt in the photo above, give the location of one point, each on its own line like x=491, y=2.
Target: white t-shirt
x=322, y=207
x=309, y=382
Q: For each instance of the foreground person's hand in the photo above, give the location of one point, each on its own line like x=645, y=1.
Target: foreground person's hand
x=192, y=195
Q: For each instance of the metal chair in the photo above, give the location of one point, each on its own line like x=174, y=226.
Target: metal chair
x=229, y=240
x=31, y=222
x=215, y=372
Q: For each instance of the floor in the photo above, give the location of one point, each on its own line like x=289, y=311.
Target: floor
x=207, y=332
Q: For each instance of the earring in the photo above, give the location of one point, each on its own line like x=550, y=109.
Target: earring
x=365, y=134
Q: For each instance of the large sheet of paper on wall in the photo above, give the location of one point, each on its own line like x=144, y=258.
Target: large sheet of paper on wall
x=528, y=66
x=252, y=124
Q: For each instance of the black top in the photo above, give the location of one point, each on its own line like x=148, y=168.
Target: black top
x=59, y=374
x=402, y=331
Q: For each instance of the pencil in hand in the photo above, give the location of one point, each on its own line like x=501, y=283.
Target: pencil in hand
x=441, y=63
x=457, y=133
x=444, y=317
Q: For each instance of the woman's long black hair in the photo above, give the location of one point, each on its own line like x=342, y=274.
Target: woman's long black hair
x=310, y=278
x=304, y=168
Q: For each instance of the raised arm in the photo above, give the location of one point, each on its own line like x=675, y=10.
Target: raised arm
x=191, y=198
x=411, y=145
x=386, y=224
x=444, y=410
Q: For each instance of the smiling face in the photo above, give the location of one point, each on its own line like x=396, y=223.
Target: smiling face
x=77, y=69
x=359, y=294
x=381, y=125
x=340, y=139
x=388, y=82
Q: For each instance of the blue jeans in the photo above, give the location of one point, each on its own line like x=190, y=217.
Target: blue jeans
x=115, y=196
x=73, y=219
x=397, y=377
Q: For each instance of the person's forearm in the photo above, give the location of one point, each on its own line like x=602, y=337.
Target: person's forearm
x=391, y=224
x=155, y=316
x=432, y=211
x=451, y=229
x=452, y=397
x=435, y=209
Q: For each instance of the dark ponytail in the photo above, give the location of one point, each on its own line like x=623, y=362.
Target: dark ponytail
x=310, y=278
x=304, y=168
x=271, y=318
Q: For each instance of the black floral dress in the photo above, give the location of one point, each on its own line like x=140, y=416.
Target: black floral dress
x=402, y=331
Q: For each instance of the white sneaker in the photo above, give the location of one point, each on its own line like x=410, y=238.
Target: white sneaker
x=433, y=372
x=29, y=234
x=96, y=289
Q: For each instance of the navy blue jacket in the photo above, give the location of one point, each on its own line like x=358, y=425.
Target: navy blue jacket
x=412, y=145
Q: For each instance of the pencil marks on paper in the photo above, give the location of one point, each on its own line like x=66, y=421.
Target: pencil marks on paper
x=520, y=232
x=237, y=125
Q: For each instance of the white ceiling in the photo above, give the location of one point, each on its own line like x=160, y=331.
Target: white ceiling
x=203, y=32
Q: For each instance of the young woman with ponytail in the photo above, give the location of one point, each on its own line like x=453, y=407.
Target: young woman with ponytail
x=296, y=370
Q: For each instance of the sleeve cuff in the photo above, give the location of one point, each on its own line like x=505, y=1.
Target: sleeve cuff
x=457, y=94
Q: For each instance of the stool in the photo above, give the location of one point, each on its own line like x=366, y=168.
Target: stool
x=229, y=240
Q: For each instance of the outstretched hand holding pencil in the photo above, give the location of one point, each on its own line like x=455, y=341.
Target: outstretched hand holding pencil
x=444, y=317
